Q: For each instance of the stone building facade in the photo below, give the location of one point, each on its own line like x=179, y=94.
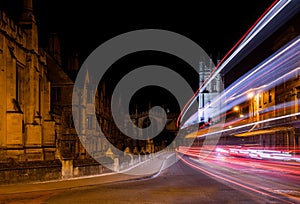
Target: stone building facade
x=27, y=127
x=36, y=124
x=37, y=119
x=274, y=111
x=211, y=91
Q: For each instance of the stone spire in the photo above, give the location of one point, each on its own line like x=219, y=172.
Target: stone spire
x=28, y=23
x=27, y=13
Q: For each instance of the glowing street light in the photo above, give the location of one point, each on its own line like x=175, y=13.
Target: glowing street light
x=250, y=95
x=236, y=108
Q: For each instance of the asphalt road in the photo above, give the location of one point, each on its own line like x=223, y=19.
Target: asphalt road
x=177, y=184
x=180, y=183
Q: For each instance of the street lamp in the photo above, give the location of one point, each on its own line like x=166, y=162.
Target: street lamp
x=236, y=108
x=239, y=111
x=250, y=95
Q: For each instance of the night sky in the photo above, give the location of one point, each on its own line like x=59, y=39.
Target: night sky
x=84, y=25
x=215, y=26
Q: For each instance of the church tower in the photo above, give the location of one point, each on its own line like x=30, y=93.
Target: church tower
x=210, y=92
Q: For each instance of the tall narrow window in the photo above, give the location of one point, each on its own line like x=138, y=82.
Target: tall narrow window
x=265, y=97
x=40, y=95
x=56, y=94
x=19, y=84
x=89, y=122
x=270, y=96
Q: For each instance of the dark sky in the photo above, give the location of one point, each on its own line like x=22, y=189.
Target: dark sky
x=83, y=25
x=216, y=25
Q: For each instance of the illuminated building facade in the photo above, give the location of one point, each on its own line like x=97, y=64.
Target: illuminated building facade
x=260, y=101
x=37, y=120
x=210, y=92
x=272, y=107
x=27, y=127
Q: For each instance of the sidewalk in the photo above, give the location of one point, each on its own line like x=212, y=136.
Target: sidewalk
x=145, y=169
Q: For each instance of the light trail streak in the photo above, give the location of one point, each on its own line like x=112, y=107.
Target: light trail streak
x=274, y=67
x=251, y=124
x=267, y=86
x=280, y=66
x=251, y=153
x=259, y=24
x=235, y=181
x=247, y=171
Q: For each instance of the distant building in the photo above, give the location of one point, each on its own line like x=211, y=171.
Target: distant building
x=210, y=92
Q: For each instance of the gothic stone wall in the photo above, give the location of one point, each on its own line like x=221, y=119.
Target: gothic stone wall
x=30, y=172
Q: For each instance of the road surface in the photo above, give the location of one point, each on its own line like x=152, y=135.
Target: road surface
x=179, y=183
